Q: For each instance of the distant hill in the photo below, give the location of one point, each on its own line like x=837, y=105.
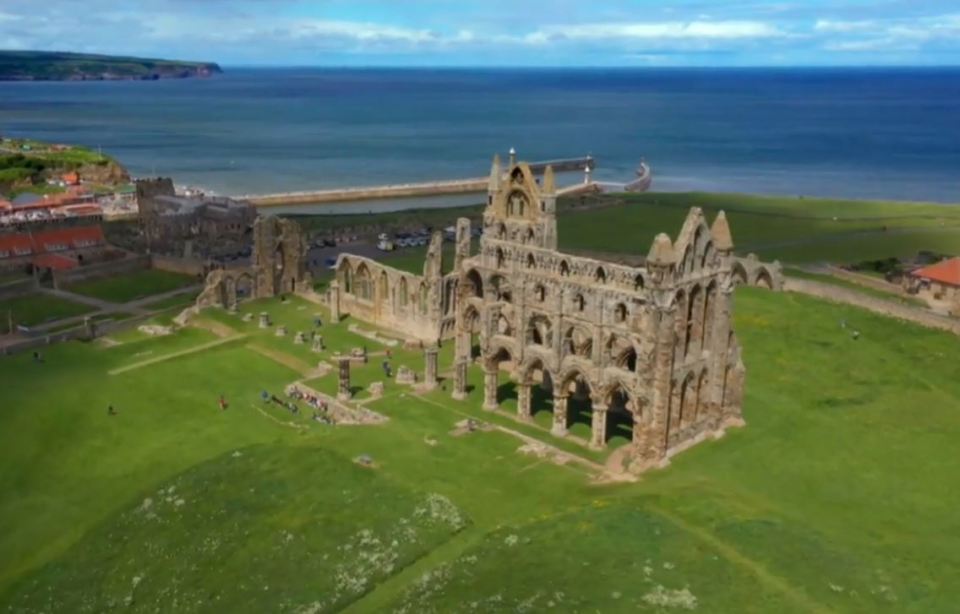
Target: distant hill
x=57, y=66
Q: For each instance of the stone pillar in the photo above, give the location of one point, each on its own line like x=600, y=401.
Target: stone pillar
x=343, y=388
x=559, y=428
x=460, y=379
x=430, y=370
x=653, y=447
x=524, y=401
x=719, y=351
x=598, y=432
x=490, y=388
x=264, y=319
x=334, y=300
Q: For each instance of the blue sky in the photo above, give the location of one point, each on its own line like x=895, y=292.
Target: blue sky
x=496, y=32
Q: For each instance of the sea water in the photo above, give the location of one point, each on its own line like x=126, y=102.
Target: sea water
x=862, y=133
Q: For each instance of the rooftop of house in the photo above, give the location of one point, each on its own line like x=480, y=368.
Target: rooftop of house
x=945, y=272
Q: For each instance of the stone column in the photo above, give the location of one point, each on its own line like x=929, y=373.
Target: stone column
x=524, y=401
x=460, y=379
x=654, y=444
x=490, y=388
x=343, y=389
x=430, y=370
x=719, y=351
x=334, y=300
x=559, y=428
x=598, y=432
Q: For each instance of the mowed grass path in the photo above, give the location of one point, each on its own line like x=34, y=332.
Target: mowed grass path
x=33, y=309
x=839, y=495
x=131, y=286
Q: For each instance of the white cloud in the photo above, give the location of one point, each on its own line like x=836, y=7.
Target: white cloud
x=828, y=25
x=891, y=35
x=666, y=30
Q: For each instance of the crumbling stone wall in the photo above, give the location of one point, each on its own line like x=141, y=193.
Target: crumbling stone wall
x=420, y=306
x=279, y=267
x=651, y=346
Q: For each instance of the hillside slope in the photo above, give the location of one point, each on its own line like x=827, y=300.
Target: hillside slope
x=58, y=66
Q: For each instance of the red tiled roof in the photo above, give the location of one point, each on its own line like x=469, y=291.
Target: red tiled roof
x=16, y=242
x=68, y=237
x=51, y=241
x=72, y=178
x=945, y=271
x=54, y=261
x=5, y=204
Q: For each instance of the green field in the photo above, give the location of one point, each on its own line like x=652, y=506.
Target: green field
x=839, y=495
x=773, y=227
x=790, y=229
x=34, y=309
x=132, y=286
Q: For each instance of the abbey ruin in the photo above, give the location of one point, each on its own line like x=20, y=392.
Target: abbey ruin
x=648, y=349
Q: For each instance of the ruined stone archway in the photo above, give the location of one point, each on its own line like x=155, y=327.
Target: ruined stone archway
x=473, y=286
x=764, y=279
x=575, y=386
x=539, y=331
x=577, y=341
x=622, y=420
x=495, y=393
x=739, y=274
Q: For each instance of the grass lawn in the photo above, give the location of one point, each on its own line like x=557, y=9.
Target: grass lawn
x=839, y=495
x=131, y=286
x=34, y=309
x=786, y=228
x=172, y=302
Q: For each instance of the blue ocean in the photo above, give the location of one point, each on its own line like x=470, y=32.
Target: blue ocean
x=862, y=133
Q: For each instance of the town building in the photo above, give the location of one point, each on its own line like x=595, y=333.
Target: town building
x=938, y=282
x=203, y=227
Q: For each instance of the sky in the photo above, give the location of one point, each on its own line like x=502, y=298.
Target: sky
x=496, y=32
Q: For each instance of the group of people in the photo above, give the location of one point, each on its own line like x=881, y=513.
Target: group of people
x=311, y=400
x=288, y=405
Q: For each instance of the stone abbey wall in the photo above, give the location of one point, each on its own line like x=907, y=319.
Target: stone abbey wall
x=279, y=267
x=649, y=346
x=419, y=306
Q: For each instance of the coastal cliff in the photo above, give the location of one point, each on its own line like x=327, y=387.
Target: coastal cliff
x=33, y=166
x=56, y=66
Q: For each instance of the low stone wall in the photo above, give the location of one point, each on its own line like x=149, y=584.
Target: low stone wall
x=78, y=332
x=102, y=269
x=185, y=266
x=877, y=305
x=18, y=288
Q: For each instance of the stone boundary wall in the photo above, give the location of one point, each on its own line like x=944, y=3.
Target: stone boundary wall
x=872, y=303
x=103, y=269
x=78, y=332
x=185, y=266
x=17, y=288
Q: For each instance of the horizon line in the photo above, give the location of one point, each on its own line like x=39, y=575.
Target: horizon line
x=591, y=66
